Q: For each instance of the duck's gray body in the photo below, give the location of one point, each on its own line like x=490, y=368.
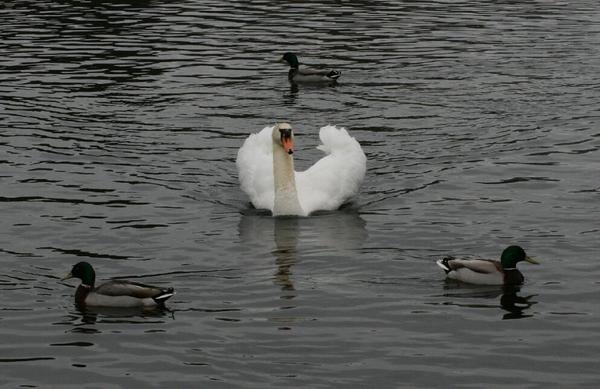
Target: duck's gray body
x=121, y=293
x=307, y=74
x=302, y=73
x=487, y=271
x=473, y=271
x=115, y=293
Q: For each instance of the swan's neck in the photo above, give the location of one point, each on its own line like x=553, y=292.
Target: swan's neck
x=286, y=195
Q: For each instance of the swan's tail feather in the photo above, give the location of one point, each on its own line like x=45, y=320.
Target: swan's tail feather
x=334, y=138
x=337, y=176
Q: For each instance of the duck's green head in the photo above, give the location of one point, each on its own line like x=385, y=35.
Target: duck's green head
x=513, y=254
x=84, y=271
x=291, y=59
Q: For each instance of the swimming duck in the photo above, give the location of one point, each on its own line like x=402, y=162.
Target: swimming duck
x=115, y=293
x=266, y=171
x=303, y=73
x=486, y=271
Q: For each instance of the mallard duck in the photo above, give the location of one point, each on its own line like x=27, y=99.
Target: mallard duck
x=115, y=293
x=487, y=271
x=303, y=73
x=266, y=171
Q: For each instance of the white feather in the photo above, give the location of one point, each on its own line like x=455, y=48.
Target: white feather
x=255, y=168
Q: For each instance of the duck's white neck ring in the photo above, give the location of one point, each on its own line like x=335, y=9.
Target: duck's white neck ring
x=510, y=268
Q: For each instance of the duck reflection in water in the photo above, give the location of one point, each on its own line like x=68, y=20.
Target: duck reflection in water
x=92, y=315
x=515, y=304
x=508, y=295
x=290, y=96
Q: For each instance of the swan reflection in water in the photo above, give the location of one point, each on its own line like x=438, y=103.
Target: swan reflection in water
x=510, y=300
x=285, y=233
x=337, y=230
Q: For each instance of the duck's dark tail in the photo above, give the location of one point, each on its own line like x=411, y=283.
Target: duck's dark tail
x=334, y=74
x=443, y=263
x=164, y=296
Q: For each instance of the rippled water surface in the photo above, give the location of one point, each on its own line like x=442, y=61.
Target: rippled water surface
x=119, y=127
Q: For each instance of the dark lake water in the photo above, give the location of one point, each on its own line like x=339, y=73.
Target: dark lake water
x=119, y=126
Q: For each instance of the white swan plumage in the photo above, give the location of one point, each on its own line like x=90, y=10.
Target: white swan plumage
x=266, y=171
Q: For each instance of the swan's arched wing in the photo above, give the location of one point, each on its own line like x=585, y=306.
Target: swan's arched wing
x=336, y=177
x=255, y=168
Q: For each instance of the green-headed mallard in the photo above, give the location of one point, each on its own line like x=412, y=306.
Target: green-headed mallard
x=487, y=271
x=115, y=293
x=303, y=73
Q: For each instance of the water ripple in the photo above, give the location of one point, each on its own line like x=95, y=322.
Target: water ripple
x=121, y=121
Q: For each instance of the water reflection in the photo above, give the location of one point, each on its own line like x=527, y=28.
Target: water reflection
x=290, y=96
x=339, y=230
x=509, y=298
x=91, y=314
x=95, y=315
x=286, y=241
x=515, y=304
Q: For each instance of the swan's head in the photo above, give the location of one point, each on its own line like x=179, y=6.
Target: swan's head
x=284, y=137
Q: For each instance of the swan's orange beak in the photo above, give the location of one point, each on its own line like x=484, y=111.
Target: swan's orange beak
x=288, y=144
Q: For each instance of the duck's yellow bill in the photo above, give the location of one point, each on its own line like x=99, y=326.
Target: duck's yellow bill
x=532, y=260
x=67, y=276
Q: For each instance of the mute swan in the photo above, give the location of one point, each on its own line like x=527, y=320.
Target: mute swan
x=303, y=73
x=266, y=171
x=487, y=271
x=115, y=293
